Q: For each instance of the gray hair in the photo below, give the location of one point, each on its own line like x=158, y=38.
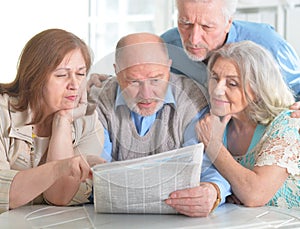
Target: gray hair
x=260, y=71
x=229, y=6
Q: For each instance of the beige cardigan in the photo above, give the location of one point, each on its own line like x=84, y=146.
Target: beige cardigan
x=16, y=145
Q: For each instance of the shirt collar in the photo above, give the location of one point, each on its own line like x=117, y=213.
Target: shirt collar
x=169, y=97
x=231, y=36
x=19, y=123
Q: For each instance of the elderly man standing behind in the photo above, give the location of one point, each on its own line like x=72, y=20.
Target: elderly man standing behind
x=206, y=25
x=146, y=111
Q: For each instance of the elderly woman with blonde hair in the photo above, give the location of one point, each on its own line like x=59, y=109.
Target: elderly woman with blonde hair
x=249, y=134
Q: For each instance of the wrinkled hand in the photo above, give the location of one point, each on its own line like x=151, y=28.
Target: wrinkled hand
x=296, y=107
x=76, y=167
x=194, y=202
x=210, y=131
x=96, y=80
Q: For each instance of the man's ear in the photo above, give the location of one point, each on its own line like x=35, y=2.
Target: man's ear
x=229, y=25
x=170, y=62
x=115, y=68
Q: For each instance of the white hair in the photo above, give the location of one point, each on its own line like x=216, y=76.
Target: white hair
x=229, y=6
x=260, y=71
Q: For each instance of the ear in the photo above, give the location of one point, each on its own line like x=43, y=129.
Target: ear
x=115, y=68
x=170, y=62
x=229, y=25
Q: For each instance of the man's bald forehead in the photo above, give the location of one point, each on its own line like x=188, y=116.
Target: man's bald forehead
x=140, y=48
x=137, y=38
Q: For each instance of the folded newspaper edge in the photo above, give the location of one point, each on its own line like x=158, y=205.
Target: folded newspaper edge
x=141, y=185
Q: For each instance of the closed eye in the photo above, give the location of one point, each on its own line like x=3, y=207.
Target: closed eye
x=61, y=75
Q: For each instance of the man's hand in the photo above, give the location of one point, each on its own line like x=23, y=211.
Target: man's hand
x=194, y=202
x=296, y=107
x=96, y=80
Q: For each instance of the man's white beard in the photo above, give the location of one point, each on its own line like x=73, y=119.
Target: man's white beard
x=193, y=57
x=146, y=112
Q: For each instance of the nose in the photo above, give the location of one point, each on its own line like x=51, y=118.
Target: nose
x=74, y=81
x=220, y=88
x=196, y=34
x=145, y=90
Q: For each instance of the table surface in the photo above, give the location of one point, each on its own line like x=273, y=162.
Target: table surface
x=226, y=216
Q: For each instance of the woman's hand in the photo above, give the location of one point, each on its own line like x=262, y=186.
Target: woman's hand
x=296, y=107
x=210, y=131
x=75, y=167
x=211, y=128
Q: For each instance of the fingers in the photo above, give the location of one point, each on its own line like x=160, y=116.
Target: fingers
x=94, y=77
x=193, y=211
x=202, y=132
x=194, y=207
x=204, y=190
x=84, y=172
x=96, y=80
x=78, y=168
x=219, y=122
x=85, y=168
x=194, y=202
x=102, y=77
x=187, y=201
x=211, y=132
x=187, y=193
x=226, y=119
x=295, y=106
x=295, y=114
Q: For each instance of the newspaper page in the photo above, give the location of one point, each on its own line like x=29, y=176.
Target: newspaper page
x=141, y=185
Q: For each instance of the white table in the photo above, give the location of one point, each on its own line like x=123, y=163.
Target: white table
x=226, y=216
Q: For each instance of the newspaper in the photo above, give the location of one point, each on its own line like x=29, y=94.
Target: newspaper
x=141, y=185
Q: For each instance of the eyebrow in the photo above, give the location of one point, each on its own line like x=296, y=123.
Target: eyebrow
x=227, y=76
x=65, y=68
x=183, y=19
x=159, y=75
x=233, y=76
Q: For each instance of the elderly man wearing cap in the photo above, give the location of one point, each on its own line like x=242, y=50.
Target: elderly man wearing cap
x=146, y=110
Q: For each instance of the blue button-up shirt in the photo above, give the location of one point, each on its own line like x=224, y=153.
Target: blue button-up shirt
x=260, y=33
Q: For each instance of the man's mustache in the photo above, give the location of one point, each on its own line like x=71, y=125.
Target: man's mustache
x=151, y=100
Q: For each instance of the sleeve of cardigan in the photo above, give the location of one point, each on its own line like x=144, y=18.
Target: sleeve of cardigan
x=6, y=178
